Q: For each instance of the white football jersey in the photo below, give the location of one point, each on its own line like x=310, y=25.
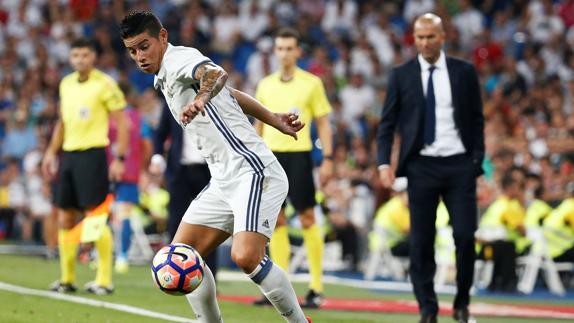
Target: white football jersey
x=224, y=136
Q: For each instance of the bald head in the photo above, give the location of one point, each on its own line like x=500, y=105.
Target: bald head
x=429, y=36
x=429, y=20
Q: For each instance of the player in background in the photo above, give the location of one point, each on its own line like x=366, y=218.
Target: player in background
x=137, y=155
x=88, y=98
x=248, y=185
x=293, y=89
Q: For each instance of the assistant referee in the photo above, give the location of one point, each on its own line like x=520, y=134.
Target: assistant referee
x=88, y=98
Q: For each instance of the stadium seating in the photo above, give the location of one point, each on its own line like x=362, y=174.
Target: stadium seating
x=539, y=259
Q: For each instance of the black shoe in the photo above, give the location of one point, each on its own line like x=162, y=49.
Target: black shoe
x=312, y=300
x=431, y=318
x=262, y=301
x=462, y=315
x=59, y=287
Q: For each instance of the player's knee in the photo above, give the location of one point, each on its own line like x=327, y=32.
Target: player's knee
x=247, y=261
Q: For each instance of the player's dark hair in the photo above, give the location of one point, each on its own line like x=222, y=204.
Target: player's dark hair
x=287, y=32
x=84, y=42
x=137, y=22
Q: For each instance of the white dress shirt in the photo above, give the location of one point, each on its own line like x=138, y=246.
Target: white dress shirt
x=447, y=138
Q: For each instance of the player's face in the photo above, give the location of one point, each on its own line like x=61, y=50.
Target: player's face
x=147, y=51
x=429, y=39
x=82, y=59
x=287, y=50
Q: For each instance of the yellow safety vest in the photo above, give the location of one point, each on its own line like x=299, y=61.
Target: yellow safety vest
x=559, y=235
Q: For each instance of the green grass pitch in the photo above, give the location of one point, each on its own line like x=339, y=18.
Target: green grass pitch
x=136, y=289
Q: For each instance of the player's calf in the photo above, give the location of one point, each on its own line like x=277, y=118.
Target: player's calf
x=249, y=247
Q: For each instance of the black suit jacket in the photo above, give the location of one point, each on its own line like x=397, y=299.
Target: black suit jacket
x=405, y=105
x=169, y=128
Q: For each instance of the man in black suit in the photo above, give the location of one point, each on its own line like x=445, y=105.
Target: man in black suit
x=435, y=102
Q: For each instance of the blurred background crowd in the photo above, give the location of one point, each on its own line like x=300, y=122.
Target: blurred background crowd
x=523, y=51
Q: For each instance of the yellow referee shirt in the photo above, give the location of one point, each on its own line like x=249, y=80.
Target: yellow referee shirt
x=305, y=95
x=85, y=107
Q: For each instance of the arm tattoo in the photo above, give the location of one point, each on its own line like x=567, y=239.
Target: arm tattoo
x=211, y=80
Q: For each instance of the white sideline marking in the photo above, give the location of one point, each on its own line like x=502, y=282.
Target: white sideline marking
x=92, y=302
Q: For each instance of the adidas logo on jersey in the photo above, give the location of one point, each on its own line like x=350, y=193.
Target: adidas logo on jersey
x=265, y=224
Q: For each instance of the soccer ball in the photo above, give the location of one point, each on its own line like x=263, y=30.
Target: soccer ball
x=177, y=269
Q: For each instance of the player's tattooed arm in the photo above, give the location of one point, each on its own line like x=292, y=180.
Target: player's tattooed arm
x=211, y=78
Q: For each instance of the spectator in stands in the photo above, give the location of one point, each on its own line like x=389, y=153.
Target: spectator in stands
x=357, y=98
x=226, y=29
x=20, y=137
x=260, y=63
x=545, y=24
x=340, y=18
x=469, y=22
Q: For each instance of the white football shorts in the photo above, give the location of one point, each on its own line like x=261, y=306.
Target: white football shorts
x=251, y=202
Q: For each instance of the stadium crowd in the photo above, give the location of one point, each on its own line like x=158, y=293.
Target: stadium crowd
x=523, y=52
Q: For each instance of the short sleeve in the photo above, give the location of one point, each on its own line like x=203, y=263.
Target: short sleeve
x=186, y=62
x=319, y=104
x=112, y=96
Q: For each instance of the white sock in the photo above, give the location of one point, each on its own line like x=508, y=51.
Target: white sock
x=275, y=285
x=203, y=300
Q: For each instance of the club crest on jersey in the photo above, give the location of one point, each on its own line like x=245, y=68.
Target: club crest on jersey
x=84, y=113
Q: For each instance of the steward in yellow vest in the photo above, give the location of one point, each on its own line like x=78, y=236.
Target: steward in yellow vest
x=501, y=234
x=559, y=231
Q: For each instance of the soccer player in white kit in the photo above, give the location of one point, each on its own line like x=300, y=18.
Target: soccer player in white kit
x=248, y=185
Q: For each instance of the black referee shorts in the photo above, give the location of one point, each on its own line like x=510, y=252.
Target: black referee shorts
x=83, y=179
x=299, y=169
